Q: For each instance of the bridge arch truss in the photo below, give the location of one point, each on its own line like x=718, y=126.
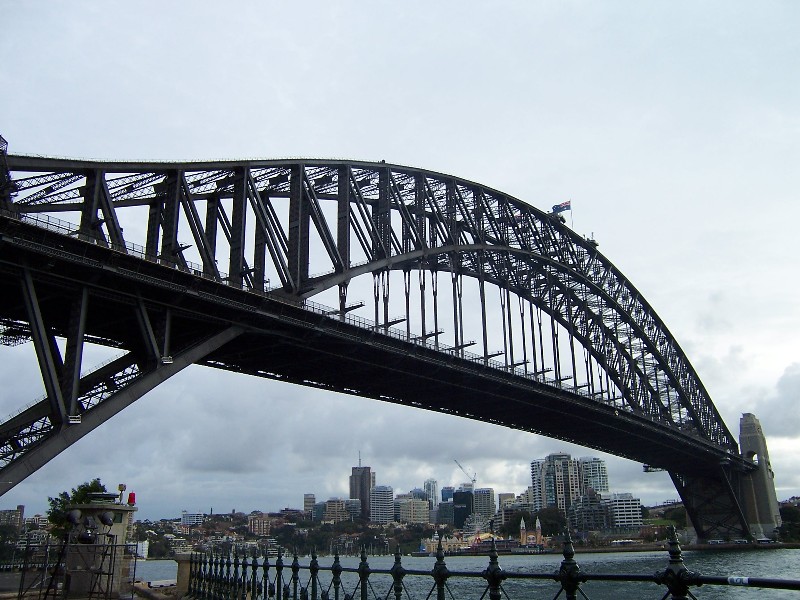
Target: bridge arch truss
x=473, y=273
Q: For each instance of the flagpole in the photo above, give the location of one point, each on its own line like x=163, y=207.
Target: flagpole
x=571, y=217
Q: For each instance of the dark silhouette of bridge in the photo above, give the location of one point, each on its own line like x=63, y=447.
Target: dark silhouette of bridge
x=433, y=292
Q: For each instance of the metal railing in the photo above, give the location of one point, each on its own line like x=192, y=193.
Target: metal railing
x=225, y=577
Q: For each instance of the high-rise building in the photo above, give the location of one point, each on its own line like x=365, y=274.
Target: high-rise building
x=444, y=513
x=447, y=493
x=483, y=503
x=462, y=507
x=362, y=481
x=335, y=511
x=593, y=474
x=555, y=481
x=432, y=490
x=504, y=499
x=381, y=504
x=413, y=510
x=353, y=508
x=309, y=500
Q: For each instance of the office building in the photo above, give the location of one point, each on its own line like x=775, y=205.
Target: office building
x=414, y=510
x=335, y=511
x=309, y=500
x=432, y=490
x=353, y=508
x=191, y=519
x=362, y=480
x=447, y=493
x=483, y=503
x=381, y=504
x=444, y=513
x=462, y=507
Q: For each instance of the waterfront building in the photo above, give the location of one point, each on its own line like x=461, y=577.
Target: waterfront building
x=432, y=490
x=594, y=474
x=624, y=511
x=381, y=504
x=447, y=493
x=362, y=480
x=483, y=502
x=462, y=507
x=318, y=512
x=191, y=519
x=309, y=500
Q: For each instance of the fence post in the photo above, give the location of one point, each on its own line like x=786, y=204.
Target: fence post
x=279, y=575
x=256, y=587
x=336, y=570
x=398, y=572
x=494, y=575
x=245, y=578
x=569, y=574
x=440, y=572
x=676, y=576
x=234, y=593
x=295, y=574
x=313, y=569
x=203, y=583
x=363, y=574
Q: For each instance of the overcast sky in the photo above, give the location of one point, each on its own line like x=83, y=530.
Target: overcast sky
x=674, y=128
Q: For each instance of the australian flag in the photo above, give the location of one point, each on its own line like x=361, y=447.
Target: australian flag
x=562, y=207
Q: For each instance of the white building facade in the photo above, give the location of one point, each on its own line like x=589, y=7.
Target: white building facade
x=381, y=504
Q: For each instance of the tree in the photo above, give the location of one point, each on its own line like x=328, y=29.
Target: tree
x=57, y=513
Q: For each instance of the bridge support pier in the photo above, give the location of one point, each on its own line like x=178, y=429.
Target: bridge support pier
x=759, y=500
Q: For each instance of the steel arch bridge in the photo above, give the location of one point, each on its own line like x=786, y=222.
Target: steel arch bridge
x=503, y=313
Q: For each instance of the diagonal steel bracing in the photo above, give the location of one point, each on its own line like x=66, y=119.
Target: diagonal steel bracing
x=562, y=315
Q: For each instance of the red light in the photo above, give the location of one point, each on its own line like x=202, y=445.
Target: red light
x=132, y=498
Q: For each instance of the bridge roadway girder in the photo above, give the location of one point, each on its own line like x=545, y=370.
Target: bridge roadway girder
x=277, y=338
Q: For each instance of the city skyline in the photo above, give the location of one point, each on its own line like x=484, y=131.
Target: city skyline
x=670, y=129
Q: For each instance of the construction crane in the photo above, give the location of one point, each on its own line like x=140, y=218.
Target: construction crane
x=472, y=477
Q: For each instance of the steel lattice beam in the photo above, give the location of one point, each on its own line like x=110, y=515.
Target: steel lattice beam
x=267, y=221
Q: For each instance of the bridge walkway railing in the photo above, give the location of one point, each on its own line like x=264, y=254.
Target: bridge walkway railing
x=225, y=577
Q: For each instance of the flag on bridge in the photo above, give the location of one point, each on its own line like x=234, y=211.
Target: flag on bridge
x=562, y=207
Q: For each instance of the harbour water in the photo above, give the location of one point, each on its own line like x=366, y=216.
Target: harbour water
x=778, y=563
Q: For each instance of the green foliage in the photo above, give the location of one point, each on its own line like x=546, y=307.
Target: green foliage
x=790, y=530
x=552, y=520
x=57, y=513
x=677, y=516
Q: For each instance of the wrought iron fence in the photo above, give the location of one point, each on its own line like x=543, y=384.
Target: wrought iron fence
x=231, y=577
